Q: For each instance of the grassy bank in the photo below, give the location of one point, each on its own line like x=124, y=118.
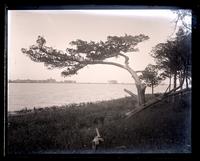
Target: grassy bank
x=164, y=127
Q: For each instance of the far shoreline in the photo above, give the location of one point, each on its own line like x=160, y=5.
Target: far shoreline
x=70, y=83
x=76, y=83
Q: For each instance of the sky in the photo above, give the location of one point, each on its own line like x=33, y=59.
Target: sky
x=62, y=26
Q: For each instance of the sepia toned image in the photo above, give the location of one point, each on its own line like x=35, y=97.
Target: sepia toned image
x=99, y=81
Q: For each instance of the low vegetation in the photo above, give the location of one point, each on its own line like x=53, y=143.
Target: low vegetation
x=164, y=127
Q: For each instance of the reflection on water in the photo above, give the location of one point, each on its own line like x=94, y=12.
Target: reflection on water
x=31, y=95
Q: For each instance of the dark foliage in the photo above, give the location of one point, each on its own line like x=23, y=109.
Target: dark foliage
x=82, y=52
x=174, y=56
x=150, y=76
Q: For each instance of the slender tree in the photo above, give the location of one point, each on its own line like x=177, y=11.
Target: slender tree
x=184, y=50
x=166, y=74
x=83, y=53
x=174, y=57
x=151, y=76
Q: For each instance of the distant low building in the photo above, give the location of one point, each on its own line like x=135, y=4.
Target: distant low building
x=69, y=81
x=50, y=80
x=112, y=81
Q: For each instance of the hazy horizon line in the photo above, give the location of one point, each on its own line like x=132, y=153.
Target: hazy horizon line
x=84, y=82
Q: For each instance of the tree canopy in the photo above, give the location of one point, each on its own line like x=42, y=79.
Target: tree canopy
x=150, y=76
x=83, y=53
x=174, y=56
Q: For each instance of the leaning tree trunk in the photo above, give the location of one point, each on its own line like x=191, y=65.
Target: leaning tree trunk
x=170, y=80
x=186, y=79
x=175, y=77
x=140, y=87
x=187, y=82
x=180, y=79
x=152, y=89
x=141, y=94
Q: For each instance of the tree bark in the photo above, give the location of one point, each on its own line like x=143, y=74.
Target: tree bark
x=187, y=83
x=152, y=89
x=140, y=87
x=141, y=94
x=175, y=77
x=186, y=79
x=180, y=78
x=170, y=81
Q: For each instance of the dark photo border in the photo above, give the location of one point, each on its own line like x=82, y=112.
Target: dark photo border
x=123, y=4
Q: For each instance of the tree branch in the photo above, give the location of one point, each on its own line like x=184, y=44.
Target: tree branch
x=127, y=67
x=176, y=23
x=130, y=70
x=185, y=25
x=139, y=71
x=104, y=62
x=130, y=93
x=167, y=89
x=126, y=58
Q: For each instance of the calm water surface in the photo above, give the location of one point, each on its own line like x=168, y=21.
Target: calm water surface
x=30, y=95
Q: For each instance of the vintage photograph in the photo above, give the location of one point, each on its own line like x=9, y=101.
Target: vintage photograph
x=99, y=81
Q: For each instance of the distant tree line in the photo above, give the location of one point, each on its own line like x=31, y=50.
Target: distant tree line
x=40, y=81
x=173, y=58
x=173, y=61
